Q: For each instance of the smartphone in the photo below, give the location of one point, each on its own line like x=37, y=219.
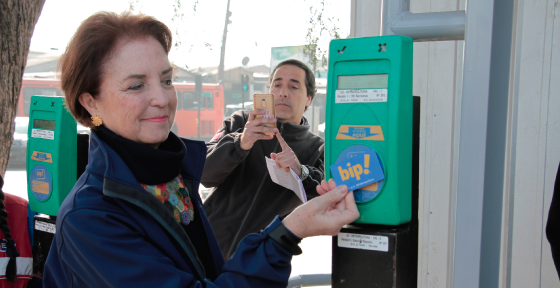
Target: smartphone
x=265, y=102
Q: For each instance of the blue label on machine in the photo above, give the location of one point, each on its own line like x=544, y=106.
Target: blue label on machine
x=368, y=192
x=40, y=182
x=358, y=171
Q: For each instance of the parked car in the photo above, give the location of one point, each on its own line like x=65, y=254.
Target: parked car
x=230, y=108
x=83, y=130
x=18, y=152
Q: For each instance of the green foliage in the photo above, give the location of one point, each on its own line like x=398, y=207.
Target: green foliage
x=320, y=30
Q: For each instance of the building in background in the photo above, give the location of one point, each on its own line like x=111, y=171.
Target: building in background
x=40, y=77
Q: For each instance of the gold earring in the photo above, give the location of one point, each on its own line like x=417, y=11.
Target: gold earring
x=96, y=120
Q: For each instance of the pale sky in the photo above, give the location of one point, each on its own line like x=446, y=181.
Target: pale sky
x=257, y=25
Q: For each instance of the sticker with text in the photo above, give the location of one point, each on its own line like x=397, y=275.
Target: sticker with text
x=44, y=134
x=42, y=156
x=365, y=242
x=361, y=96
x=360, y=132
x=359, y=171
x=45, y=227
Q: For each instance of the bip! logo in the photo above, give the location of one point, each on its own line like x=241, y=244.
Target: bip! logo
x=40, y=174
x=354, y=171
x=358, y=171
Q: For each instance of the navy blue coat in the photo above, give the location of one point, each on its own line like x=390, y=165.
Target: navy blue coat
x=112, y=233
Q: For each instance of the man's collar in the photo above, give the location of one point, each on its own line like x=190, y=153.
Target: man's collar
x=302, y=122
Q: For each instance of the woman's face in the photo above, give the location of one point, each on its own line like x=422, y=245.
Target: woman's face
x=137, y=99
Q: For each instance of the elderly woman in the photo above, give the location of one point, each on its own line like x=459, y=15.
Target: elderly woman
x=134, y=218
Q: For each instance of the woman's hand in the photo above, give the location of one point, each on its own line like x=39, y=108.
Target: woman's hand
x=323, y=215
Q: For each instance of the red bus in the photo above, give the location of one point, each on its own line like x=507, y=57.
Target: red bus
x=186, y=117
x=30, y=87
x=211, y=110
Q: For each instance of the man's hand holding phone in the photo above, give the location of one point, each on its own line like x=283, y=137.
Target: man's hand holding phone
x=254, y=131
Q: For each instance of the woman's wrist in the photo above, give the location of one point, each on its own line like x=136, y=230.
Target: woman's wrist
x=283, y=236
x=294, y=226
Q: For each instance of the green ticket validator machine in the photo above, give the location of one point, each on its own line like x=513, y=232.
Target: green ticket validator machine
x=369, y=106
x=51, y=154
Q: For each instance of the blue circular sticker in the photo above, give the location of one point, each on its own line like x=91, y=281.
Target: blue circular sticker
x=370, y=191
x=40, y=182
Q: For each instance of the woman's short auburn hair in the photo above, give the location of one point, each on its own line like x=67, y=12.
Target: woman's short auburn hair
x=91, y=47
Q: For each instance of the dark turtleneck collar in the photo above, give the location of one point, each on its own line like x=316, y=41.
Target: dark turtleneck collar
x=150, y=166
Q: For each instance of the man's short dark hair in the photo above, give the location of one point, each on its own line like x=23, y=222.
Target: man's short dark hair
x=309, y=76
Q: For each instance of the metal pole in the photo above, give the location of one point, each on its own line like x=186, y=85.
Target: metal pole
x=223, y=52
x=465, y=271
x=431, y=26
x=496, y=144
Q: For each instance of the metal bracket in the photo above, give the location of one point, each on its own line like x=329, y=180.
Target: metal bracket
x=435, y=26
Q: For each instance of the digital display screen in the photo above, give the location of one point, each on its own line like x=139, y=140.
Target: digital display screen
x=373, y=81
x=43, y=124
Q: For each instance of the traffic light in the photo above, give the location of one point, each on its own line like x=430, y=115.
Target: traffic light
x=245, y=83
x=227, y=17
x=244, y=88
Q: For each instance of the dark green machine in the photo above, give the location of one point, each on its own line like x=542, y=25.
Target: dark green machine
x=56, y=157
x=51, y=154
x=370, y=107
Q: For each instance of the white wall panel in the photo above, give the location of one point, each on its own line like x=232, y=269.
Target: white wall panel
x=552, y=157
x=532, y=170
x=548, y=272
x=436, y=69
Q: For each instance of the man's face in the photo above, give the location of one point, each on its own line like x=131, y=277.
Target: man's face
x=290, y=93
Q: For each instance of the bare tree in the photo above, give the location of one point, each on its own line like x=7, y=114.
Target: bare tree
x=178, y=19
x=319, y=30
x=17, y=22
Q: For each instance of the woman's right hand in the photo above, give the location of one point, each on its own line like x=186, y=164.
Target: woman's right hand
x=253, y=131
x=323, y=215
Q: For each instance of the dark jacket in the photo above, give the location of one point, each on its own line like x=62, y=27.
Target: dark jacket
x=112, y=233
x=245, y=198
x=553, y=223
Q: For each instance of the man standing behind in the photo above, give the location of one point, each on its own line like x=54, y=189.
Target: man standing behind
x=245, y=199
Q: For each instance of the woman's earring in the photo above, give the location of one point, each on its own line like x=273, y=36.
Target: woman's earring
x=96, y=120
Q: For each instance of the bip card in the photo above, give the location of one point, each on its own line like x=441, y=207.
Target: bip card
x=358, y=171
